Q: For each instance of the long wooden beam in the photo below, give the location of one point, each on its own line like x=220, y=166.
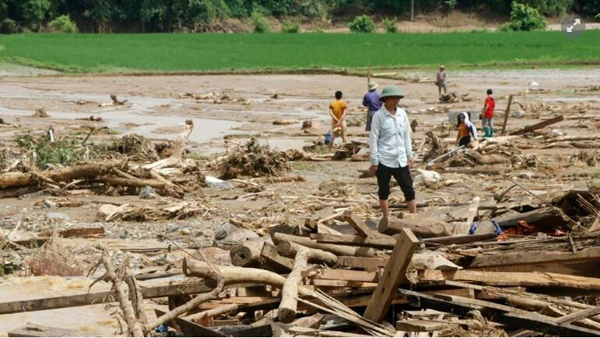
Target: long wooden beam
x=97, y=298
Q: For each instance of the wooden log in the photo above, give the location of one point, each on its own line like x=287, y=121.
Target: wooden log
x=539, y=125
x=274, y=260
x=238, y=275
x=420, y=226
x=355, y=240
x=544, y=216
x=133, y=182
x=339, y=250
x=247, y=255
x=507, y=113
x=89, y=170
x=289, y=249
x=289, y=292
x=392, y=276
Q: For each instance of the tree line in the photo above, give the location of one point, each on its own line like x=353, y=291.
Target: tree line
x=103, y=16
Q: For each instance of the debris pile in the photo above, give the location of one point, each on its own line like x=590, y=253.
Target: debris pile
x=64, y=166
x=252, y=159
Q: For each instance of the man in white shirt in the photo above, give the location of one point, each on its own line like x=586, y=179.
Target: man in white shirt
x=391, y=149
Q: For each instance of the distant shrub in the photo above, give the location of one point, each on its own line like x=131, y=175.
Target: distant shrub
x=9, y=26
x=524, y=18
x=290, y=26
x=390, y=25
x=362, y=24
x=63, y=24
x=261, y=23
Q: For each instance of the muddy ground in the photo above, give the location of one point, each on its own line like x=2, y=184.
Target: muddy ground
x=157, y=106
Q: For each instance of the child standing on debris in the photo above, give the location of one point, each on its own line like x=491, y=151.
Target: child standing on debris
x=488, y=114
x=337, y=110
x=466, y=130
x=440, y=81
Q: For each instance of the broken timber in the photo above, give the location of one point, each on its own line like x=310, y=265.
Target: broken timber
x=98, y=298
x=501, y=313
x=392, y=276
x=537, y=126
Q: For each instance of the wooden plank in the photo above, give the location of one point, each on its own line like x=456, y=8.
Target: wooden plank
x=340, y=283
x=269, y=253
x=501, y=313
x=354, y=240
x=393, y=274
x=419, y=325
x=527, y=279
x=342, y=275
x=191, y=329
x=548, y=326
x=578, y=315
x=97, y=298
x=539, y=125
x=358, y=224
x=463, y=229
x=531, y=258
x=369, y=263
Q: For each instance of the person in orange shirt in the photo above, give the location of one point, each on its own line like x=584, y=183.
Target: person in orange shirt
x=466, y=130
x=337, y=110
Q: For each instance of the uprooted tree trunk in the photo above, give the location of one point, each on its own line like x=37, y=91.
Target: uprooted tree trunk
x=178, y=149
x=289, y=292
x=213, y=273
x=238, y=275
x=14, y=179
x=133, y=324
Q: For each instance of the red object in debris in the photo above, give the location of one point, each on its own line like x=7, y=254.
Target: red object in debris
x=524, y=229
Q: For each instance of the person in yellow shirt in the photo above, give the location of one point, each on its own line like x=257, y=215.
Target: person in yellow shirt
x=337, y=110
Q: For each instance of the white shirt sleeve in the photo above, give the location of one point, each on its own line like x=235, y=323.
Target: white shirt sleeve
x=374, y=138
x=407, y=137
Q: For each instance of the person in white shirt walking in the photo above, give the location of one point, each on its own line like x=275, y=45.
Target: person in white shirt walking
x=391, y=149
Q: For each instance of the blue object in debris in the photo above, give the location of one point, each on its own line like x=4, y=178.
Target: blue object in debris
x=497, y=228
x=162, y=329
x=328, y=137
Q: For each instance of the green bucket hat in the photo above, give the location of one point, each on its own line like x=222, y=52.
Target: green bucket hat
x=390, y=91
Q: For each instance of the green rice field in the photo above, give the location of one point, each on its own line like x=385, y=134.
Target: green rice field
x=231, y=52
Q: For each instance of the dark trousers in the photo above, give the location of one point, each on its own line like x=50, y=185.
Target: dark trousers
x=402, y=175
x=464, y=141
